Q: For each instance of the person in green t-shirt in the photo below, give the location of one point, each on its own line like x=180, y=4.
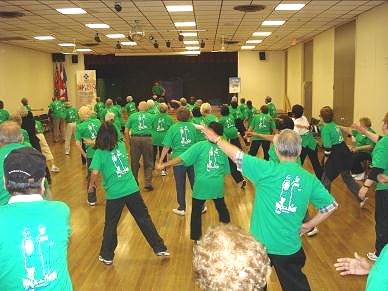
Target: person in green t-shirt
x=250, y=112
x=233, y=110
x=179, y=138
x=130, y=107
x=121, y=189
x=210, y=167
x=45, y=148
x=262, y=123
x=58, y=112
x=99, y=108
x=85, y=134
x=35, y=232
x=379, y=166
x=206, y=111
x=197, y=118
x=109, y=107
x=71, y=117
x=138, y=130
x=158, y=90
x=377, y=272
x=4, y=114
x=283, y=192
x=271, y=107
x=338, y=157
x=161, y=123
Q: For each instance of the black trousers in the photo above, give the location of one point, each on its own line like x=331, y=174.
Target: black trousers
x=289, y=271
x=381, y=219
x=357, y=162
x=313, y=156
x=255, y=144
x=236, y=174
x=91, y=196
x=139, y=211
x=239, y=123
x=196, y=215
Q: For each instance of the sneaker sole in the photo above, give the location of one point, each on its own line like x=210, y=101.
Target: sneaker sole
x=106, y=262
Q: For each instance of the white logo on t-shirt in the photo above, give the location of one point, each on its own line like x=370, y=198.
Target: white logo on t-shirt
x=285, y=205
x=117, y=159
x=184, y=135
x=141, y=124
x=212, y=160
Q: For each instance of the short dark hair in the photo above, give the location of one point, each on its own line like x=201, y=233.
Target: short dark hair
x=106, y=136
x=249, y=104
x=225, y=110
x=24, y=101
x=284, y=123
x=196, y=111
x=234, y=104
x=1, y=104
x=183, y=114
x=264, y=109
x=297, y=110
x=217, y=127
x=327, y=114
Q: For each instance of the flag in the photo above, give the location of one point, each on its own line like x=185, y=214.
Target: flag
x=63, y=80
x=57, y=85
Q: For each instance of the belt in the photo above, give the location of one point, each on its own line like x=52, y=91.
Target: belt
x=142, y=135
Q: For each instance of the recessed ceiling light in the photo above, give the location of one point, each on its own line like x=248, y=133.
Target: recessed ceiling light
x=185, y=24
x=83, y=50
x=179, y=8
x=247, y=47
x=261, y=33
x=97, y=25
x=191, y=42
x=192, y=48
x=273, y=22
x=254, y=41
x=129, y=43
x=115, y=35
x=66, y=44
x=185, y=34
x=71, y=10
x=292, y=7
x=44, y=37
x=191, y=52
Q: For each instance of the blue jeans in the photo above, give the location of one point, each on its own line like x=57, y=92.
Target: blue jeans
x=180, y=172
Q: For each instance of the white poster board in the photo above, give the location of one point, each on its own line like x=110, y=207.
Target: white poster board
x=234, y=85
x=86, y=87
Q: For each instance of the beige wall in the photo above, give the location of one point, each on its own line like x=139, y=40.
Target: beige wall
x=323, y=71
x=25, y=73
x=71, y=70
x=295, y=74
x=262, y=78
x=371, y=66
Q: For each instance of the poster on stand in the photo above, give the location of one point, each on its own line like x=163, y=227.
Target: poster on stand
x=86, y=87
x=234, y=85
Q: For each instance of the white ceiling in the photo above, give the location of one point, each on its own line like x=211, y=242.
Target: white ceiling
x=216, y=17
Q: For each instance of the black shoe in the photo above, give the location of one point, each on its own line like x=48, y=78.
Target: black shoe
x=149, y=188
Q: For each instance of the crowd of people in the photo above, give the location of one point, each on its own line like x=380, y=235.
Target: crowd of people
x=203, y=146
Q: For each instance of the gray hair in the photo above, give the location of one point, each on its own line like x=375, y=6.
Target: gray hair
x=10, y=133
x=288, y=143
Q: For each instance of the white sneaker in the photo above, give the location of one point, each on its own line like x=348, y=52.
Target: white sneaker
x=54, y=169
x=313, y=232
x=163, y=254
x=359, y=177
x=362, y=203
x=204, y=209
x=179, y=212
x=164, y=173
x=372, y=256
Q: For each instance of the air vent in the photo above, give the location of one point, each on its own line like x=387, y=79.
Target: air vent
x=11, y=14
x=249, y=8
x=231, y=41
x=9, y=38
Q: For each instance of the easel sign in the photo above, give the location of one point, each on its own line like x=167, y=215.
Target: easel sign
x=234, y=85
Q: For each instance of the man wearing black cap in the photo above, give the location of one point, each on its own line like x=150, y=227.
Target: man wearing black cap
x=34, y=232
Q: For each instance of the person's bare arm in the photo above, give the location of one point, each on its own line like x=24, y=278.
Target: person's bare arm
x=173, y=162
x=93, y=178
x=317, y=219
x=353, y=266
x=372, y=136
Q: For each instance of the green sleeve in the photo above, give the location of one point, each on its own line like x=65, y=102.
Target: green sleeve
x=320, y=197
x=96, y=161
x=325, y=136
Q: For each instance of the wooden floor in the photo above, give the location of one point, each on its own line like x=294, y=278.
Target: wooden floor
x=135, y=266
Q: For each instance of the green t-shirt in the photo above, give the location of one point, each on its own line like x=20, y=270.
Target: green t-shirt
x=140, y=123
x=380, y=159
x=4, y=115
x=331, y=135
x=262, y=123
x=87, y=129
x=272, y=110
x=210, y=167
x=283, y=192
x=130, y=107
x=308, y=140
x=180, y=137
x=117, y=177
x=362, y=139
x=161, y=123
x=157, y=90
x=34, y=240
x=377, y=278
x=71, y=114
x=199, y=135
x=241, y=111
x=39, y=127
x=26, y=137
x=230, y=130
x=99, y=108
x=209, y=118
x=250, y=114
x=4, y=151
x=233, y=111
x=58, y=109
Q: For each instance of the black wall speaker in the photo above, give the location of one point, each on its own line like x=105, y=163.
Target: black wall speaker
x=58, y=57
x=262, y=56
x=74, y=59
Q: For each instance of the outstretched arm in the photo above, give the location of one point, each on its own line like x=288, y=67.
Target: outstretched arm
x=173, y=162
x=372, y=136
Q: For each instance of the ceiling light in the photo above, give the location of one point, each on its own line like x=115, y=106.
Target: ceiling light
x=192, y=48
x=247, y=47
x=44, y=37
x=179, y=8
x=291, y=7
x=97, y=38
x=261, y=33
x=97, y=25
x=191, y=42
x=202, y=43
x=131, y=43
x=273, y=22
x=188, y=34
x=118, y=6
x=118, y=45
x=168, y=44
x=156, y=45
x=191, y=53
x=71, y=10
x=254, y=41
x=151, y=37
x=66, y=44
x=185, y=24
x=115, y=35
x=83, y=50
